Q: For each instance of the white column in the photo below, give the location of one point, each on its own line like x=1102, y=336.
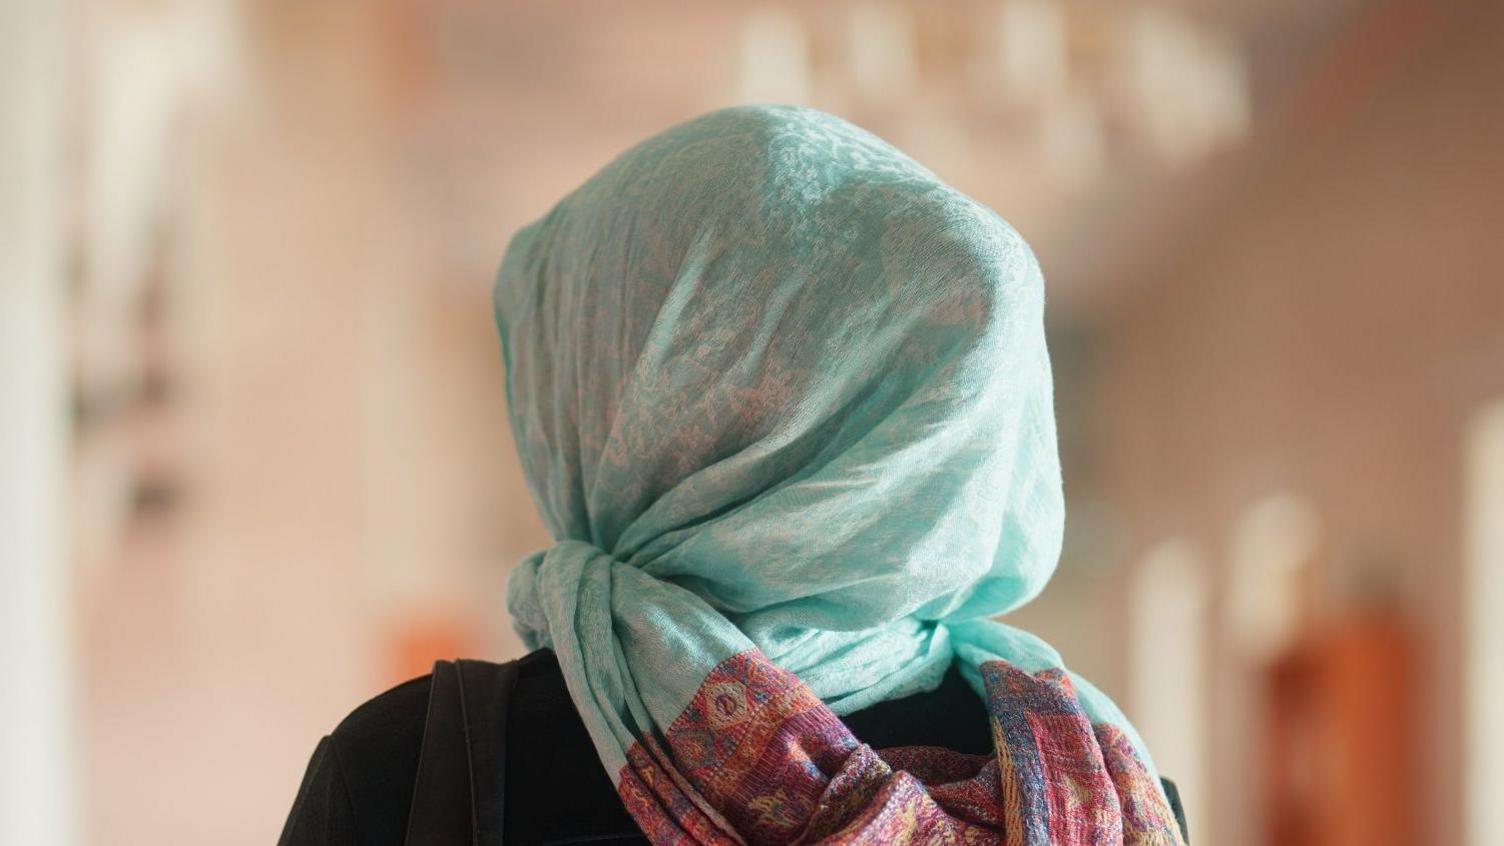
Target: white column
x=36, y=661
x=1483, y=630
x=1167, y=687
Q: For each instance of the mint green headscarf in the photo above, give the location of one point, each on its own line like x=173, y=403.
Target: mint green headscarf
x=775, y=385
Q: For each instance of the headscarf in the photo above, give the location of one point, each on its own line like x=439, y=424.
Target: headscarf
x=783, y=399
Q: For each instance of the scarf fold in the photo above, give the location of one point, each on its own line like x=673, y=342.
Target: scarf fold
x=783, y=398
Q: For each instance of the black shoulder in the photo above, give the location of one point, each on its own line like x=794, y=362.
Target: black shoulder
x=387, y=729
x=359, y=782
x=556, y=789
x=518, y=728
x=321, y=814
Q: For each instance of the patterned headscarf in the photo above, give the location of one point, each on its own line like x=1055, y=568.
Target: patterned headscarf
x=783, y=399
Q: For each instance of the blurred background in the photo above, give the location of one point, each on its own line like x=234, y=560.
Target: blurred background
x=254, y=459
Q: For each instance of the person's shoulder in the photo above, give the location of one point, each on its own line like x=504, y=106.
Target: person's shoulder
x=355, y=785
x=375, y=750
x=373, y=753
x=375, y=719
x=392, y=721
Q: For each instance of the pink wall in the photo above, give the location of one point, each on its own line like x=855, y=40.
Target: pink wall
x=1328, y=329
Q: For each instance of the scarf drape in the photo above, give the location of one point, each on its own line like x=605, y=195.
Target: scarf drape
x=784, y=402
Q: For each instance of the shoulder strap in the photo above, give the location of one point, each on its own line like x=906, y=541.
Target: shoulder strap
x=486, y=691
x=460, y=792
x=1173, y=794
x=441, y=813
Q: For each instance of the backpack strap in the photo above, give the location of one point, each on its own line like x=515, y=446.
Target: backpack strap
x=485, y=692
x=442, y=805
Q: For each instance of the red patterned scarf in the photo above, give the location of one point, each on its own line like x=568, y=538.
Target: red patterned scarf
x=756, y=758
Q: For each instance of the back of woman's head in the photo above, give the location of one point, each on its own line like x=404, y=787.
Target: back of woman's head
x=784, y=401
x=771, y=359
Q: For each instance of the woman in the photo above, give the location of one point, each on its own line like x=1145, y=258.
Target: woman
x=784, y=401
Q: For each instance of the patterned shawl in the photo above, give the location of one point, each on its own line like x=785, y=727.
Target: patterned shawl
x=783, y=399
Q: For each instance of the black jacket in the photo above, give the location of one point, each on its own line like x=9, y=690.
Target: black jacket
x=484, y=754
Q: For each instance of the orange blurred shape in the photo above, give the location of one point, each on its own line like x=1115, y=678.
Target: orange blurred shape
x=1341, y=720
x=420, y=640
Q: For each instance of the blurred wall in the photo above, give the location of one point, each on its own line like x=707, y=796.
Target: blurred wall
x=342, y=465
x=1329, y=329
